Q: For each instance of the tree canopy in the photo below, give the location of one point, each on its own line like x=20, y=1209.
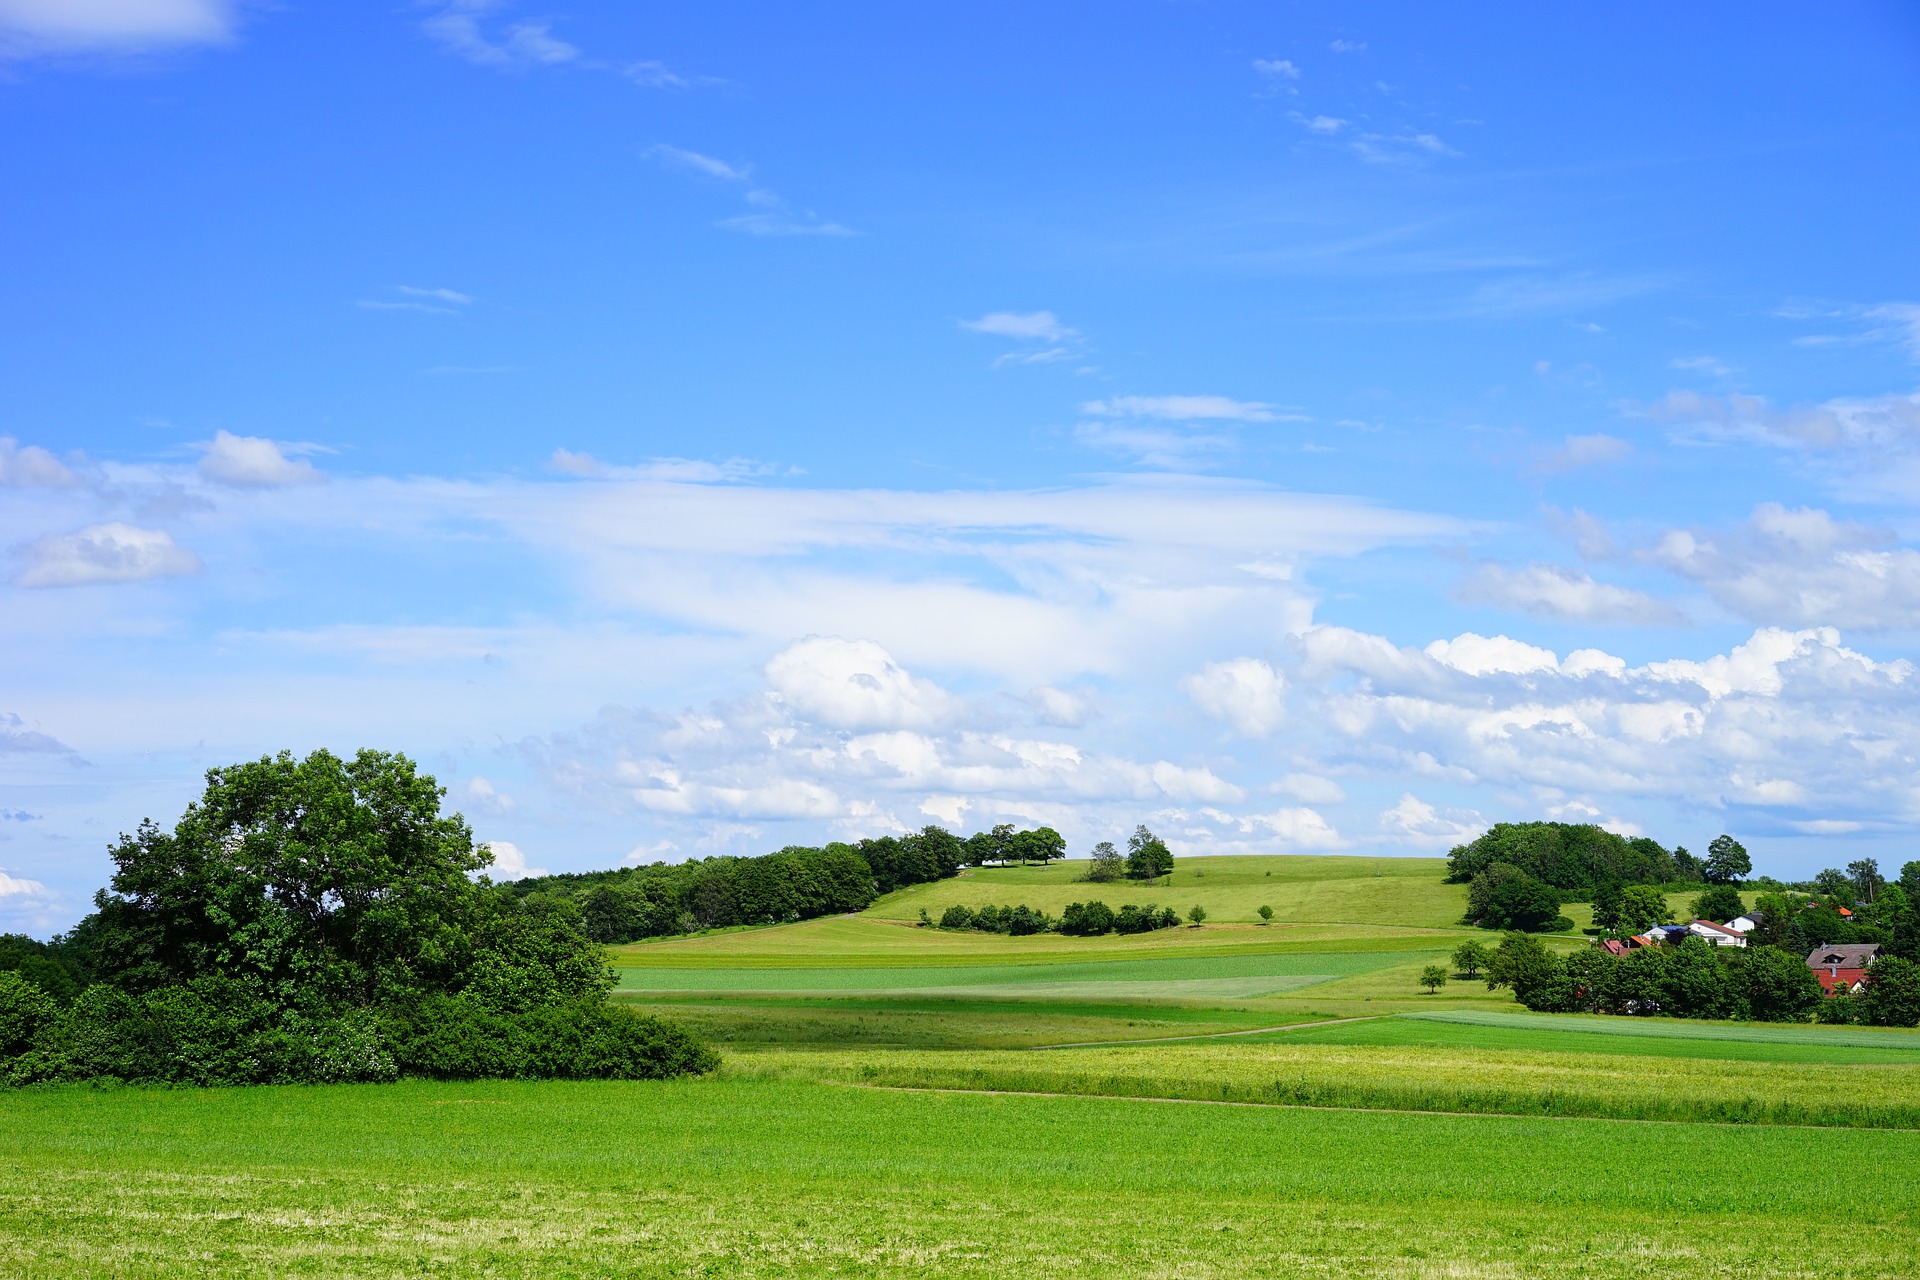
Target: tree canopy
x=1577, y=858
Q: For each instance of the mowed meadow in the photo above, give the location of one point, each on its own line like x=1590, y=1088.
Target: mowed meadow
x=1236, y=1099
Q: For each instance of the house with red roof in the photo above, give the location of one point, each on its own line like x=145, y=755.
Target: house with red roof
x=1842, y=967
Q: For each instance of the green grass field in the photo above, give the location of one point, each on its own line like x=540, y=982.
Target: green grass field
x=903, y=1101
x=766, y=1178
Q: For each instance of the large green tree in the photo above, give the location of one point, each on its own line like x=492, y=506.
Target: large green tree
x=320, y=881
x=1148, y=857
x=1727, y=861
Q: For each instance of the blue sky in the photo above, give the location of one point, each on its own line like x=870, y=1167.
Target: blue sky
x=700, y=429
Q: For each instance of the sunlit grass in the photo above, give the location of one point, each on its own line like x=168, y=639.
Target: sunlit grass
x=751, y=1178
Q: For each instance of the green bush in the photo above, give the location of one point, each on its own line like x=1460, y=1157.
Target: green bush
x=1086, y=919
x=1891, y=997
x=1505, y=897
x=25, y=1011
x=957, y=917
x=316, y=920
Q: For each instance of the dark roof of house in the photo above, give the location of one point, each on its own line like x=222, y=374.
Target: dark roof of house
x=1846, y=955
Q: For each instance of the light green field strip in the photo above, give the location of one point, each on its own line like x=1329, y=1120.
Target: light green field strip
x=1600, y=1025
x=1229, y=976
x=777, y=1180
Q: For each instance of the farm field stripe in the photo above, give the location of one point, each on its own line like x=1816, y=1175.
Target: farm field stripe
x=1214, y=1035
x=1668, y=1029
x=1316, y=1106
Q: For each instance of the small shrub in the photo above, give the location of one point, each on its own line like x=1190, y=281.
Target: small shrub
x=1198, y=914
x=1266, y=913
x=956, y=917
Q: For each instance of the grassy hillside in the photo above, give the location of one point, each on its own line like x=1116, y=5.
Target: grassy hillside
x=750, y=1178
x=1393, y=892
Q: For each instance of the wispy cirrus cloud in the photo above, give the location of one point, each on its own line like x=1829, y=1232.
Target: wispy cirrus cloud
x=771, y=215
x=1041, y=336
x=42, y=27
x=425, y=301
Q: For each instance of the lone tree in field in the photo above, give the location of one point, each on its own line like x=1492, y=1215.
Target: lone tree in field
x=1109, y=864
x=1470, y=957
x=1727, y=861
x=1433, y=977
x=1148, y=857
x=1266, y=915
x=1198, y=915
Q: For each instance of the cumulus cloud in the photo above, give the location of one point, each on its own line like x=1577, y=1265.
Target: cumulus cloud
x=30, y=466
x=1038, y=326
x=16, y=887
x=509, y=863
x=488, y=797
x=1556, y=591
x=1245, y=692
x=1311, y=788
x=252, y=462
x=856, y=684
x=1799, y=566
x=1412, y=821
x=1790, y=720
x=111, y=26
x=1278, y=68
x=103, y=553
x=1058, y=707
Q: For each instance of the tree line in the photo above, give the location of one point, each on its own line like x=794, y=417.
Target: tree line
x=792, y=884
x=320, y=920
x=1519, y=874
x=1077, y=919
x=1695, y=979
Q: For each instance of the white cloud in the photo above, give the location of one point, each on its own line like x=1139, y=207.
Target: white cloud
x=484, y=794
x=1348, y=46
x=458, y=28
x=103, y=553
x=252, y=462
x=1584, y=451
x=1041, y=326
x=1412, y=821
x=1789, y=721
x=1058, y=706
x=780, y=224
x=509, y=863
x=772, y=218
x=1324, y=124
x=1245, y=692
x=1703, y=364
x=112, y=26
x=1402, y=149
x=695, y=162
x=15, y=737
x=1479, y=655
x=1876, y=424
x=1181, y=408
x=15, y=887
x=30, y=466
x=1043, y=339
x=1555, y=591
x=856, y=684
x=1799, y=566
x=1278, y=68
x=1311, y=788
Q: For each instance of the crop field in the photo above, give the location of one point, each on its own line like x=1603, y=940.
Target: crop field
x=1227, y=1101
x=1292, y=1068
x=1653, y=1037
x=1318, y=890
x=765, y=1178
